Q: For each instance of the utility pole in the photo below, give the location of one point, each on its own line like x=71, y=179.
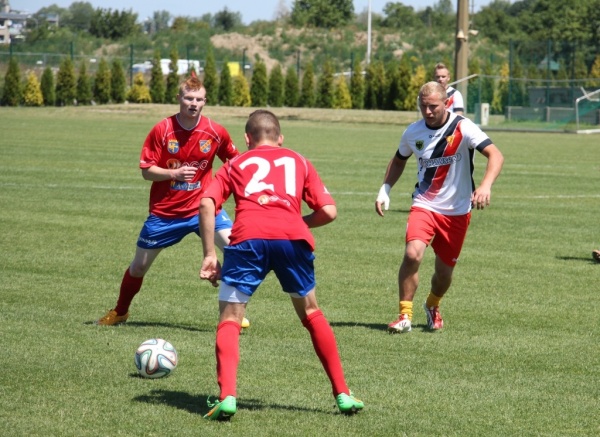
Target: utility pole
x=461, y=64
x=369, y=34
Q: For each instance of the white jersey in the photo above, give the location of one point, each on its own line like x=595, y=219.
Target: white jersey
x=445, y=162
x=455, y=100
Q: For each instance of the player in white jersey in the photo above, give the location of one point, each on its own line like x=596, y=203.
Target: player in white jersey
x=455, y=102
x=444, y=144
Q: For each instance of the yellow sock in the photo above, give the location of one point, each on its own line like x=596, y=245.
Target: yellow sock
x=432, y=300
x=406, y=307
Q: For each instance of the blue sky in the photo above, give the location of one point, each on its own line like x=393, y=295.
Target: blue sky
x=250, y=10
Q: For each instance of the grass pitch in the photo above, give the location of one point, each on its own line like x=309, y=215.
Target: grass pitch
x=518, y=354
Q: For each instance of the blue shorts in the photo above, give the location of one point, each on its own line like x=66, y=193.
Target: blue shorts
x=158, y=233
x=245, y=265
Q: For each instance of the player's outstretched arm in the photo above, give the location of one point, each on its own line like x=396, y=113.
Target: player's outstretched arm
x=321, y=216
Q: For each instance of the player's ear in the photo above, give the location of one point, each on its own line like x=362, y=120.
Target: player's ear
x=247, y=139
x=280, y=141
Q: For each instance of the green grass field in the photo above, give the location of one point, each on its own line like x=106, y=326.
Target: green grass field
x=519, y=354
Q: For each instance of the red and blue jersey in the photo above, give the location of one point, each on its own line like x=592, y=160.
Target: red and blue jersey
x=269, y=185
x=169, y=145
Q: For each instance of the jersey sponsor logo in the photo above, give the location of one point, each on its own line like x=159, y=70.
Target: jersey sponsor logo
x=173, y=164
x=439, y=162
x=173, y=146
x=419, y=144
x=185, y=186
x=205, y=146
x=264, y=199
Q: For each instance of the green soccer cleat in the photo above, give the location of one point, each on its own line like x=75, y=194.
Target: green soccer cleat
x=348, y=404
x=221, y=410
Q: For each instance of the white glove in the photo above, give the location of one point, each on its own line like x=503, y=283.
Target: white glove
x=384, y=196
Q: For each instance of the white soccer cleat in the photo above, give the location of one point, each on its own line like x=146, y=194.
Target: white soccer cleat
x=400, y=326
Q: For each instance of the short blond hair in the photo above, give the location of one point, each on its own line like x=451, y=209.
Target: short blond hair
x=433, y=88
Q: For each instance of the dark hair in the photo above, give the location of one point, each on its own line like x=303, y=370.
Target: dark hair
x=263, y=125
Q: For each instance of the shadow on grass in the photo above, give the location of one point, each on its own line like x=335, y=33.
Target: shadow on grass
x=379, y=327
x=587, y=259
x=160, y=325
x=198, y=404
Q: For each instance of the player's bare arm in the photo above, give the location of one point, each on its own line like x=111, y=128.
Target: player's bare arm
x=482, y=195
x=156, y=174
x=394, y=170
x=321, y=216
x=210, y=269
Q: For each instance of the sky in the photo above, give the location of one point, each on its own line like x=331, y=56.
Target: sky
x=249, y=10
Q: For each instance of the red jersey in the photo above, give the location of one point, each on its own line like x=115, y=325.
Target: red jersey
x=269, y=184
x=169, y=145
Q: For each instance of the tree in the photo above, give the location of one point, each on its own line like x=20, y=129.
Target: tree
x=325, y=87
x=225, y=86
x=404, y=75
x=84, y=86
x=66, y=83
x=139, y=92
x=32, y=94
x=399, y=16
x=357, y=86
x=211, y=82
x=291, y=92
x=172, y=78
x=102, y=89
x=595, y=73
x=370, y=88
x=241, y=92
x=115, y=25
x=276, y=85
x=118, y=82
x=322, y=13
x=12, y=84
x=342, y=100
x=79, y=16
x=416, y=82
x=259, y=92
x=307, y=90
x=157, y=81
x=47, y=86
x=226, y=20
x=500, y=99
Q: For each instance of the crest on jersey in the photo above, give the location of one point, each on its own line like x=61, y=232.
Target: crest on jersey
x=205, y=146
x=173, y=146
x=419, y=144
x=450, y=139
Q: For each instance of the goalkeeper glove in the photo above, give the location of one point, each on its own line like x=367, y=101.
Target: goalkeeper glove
x=384, y=196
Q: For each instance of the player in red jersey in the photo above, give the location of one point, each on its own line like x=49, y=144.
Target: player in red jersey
x=455, y=102
x=177, y=157
x=269, y=183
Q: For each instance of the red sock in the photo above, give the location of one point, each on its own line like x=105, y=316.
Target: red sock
x=227, y=349
x=324, y=343
x=129, y=288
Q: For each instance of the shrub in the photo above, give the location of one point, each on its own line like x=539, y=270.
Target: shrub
x=32, y=94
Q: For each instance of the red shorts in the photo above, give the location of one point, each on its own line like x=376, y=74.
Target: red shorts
x=446, y=233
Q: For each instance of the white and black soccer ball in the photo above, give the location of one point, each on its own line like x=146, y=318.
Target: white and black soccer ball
x=155, y=358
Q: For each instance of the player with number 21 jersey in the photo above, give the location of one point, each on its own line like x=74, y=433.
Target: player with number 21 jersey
x=269, y=184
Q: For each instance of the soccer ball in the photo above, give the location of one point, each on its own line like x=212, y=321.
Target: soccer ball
x=155, y=358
